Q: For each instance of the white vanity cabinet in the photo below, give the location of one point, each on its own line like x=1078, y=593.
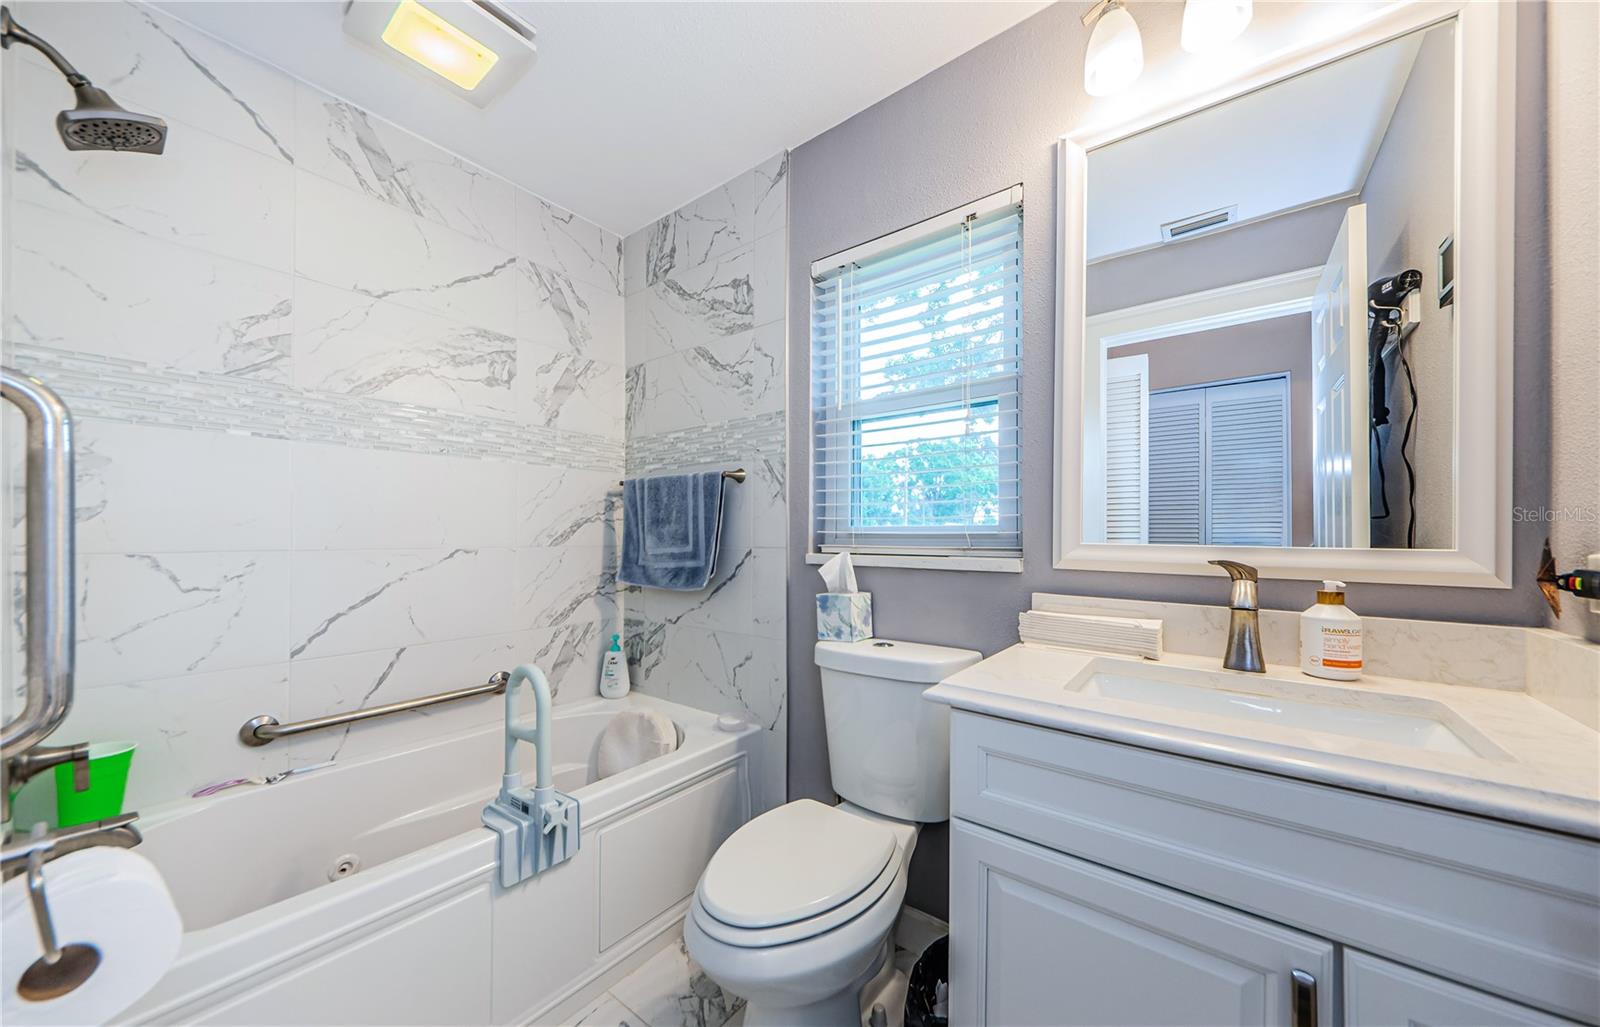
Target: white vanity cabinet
x=1068, y=942
x=1100, y=883
x=1378, y=993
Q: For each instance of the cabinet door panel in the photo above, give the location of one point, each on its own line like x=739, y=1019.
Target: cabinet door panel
x=1512, y=909
x=1042, y=938
x=1378, y=993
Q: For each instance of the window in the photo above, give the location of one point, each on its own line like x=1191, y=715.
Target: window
x=915, y=343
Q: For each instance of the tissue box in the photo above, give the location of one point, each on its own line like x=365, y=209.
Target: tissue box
x=844, y=616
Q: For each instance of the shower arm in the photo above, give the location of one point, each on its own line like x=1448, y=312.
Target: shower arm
x=11, y=32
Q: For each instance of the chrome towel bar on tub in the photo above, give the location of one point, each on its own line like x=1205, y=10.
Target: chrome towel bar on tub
x=265, y=728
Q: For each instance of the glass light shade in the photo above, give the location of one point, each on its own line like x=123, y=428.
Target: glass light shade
x=438, y=45
x=1207, y=24
x=1115, y=56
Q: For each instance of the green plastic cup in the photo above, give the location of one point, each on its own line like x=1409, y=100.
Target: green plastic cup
x=108, y=784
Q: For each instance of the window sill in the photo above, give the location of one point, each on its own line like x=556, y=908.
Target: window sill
x=992, y=564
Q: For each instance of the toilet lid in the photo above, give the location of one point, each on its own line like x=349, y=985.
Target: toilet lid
x=795, y=862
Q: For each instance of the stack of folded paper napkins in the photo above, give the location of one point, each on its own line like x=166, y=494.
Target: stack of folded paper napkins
x=1130, y=636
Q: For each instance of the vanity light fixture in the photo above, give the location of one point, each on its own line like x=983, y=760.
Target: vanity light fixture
x=1115, y=55
x=1207, y=24
x=476, y=47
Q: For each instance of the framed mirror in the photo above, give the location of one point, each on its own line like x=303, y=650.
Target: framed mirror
x=1285, y=316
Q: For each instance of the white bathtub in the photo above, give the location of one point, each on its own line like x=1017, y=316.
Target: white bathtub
x=421, y=932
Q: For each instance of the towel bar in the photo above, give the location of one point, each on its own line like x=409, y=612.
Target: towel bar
x=737, y=475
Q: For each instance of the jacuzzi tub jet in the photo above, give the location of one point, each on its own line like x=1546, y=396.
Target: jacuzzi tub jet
x=344, y=866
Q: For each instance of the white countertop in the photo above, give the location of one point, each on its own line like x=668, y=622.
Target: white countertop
x=1542, y=767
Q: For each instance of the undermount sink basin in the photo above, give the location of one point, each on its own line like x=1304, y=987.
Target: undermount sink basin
x=1346, y=713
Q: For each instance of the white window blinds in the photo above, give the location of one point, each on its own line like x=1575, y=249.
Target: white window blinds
x=915, y=345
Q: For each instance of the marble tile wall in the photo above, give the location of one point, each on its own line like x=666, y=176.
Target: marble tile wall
x=705, y=359
x=348, y=406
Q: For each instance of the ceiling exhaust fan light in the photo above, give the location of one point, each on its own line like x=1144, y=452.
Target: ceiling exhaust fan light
x=1208, y=24
x=438, y=45
x=475, y=49
x=1115, y=56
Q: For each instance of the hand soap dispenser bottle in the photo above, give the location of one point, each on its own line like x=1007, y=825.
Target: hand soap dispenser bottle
x=1330, y=636
x=614, y=671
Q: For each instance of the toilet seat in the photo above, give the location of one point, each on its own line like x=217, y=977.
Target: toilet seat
x=794, y=864
x=799, y=930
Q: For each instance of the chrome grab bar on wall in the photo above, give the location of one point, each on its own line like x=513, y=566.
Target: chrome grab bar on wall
x=49, y=567
x=263, y=729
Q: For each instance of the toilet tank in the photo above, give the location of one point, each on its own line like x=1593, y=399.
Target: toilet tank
x=888, y=747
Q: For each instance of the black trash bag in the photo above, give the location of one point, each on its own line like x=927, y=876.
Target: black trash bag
x=927, y=996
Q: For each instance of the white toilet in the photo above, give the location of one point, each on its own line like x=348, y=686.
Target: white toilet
x=795, y=910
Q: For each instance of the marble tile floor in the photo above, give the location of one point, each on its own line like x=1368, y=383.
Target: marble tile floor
x=671, y=991
x=667, y=991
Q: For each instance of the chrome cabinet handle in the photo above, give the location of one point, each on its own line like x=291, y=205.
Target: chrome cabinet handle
x=1302, y=999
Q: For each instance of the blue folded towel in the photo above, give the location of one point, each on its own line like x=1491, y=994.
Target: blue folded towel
x=671, y=529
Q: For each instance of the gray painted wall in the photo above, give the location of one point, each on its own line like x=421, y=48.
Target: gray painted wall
x=1573, y=84
x=1410, y=210
x=1007, y=102
x=1279, y=244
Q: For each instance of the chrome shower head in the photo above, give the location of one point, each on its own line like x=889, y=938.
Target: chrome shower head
x=97, y=122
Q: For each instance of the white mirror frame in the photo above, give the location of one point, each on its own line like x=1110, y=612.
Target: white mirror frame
x=1485, y=219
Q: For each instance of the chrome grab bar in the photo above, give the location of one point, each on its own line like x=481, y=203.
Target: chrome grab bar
x=266, y=728
x=49, y=568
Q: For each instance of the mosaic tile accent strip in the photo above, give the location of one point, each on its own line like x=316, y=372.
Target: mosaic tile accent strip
x=134, y=392
x=703, y=444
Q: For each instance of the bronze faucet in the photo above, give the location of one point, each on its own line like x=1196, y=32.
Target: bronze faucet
x=1244, y=620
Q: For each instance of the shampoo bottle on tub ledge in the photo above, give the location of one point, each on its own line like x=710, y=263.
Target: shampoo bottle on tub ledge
x=614, y=671
x=1330, y=636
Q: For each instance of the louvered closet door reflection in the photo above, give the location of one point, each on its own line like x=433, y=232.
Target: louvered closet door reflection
x=1247, y=479
x=1177, y=467
x=1219, y=464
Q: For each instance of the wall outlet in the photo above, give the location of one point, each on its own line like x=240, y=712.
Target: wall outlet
x=1412, y=316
